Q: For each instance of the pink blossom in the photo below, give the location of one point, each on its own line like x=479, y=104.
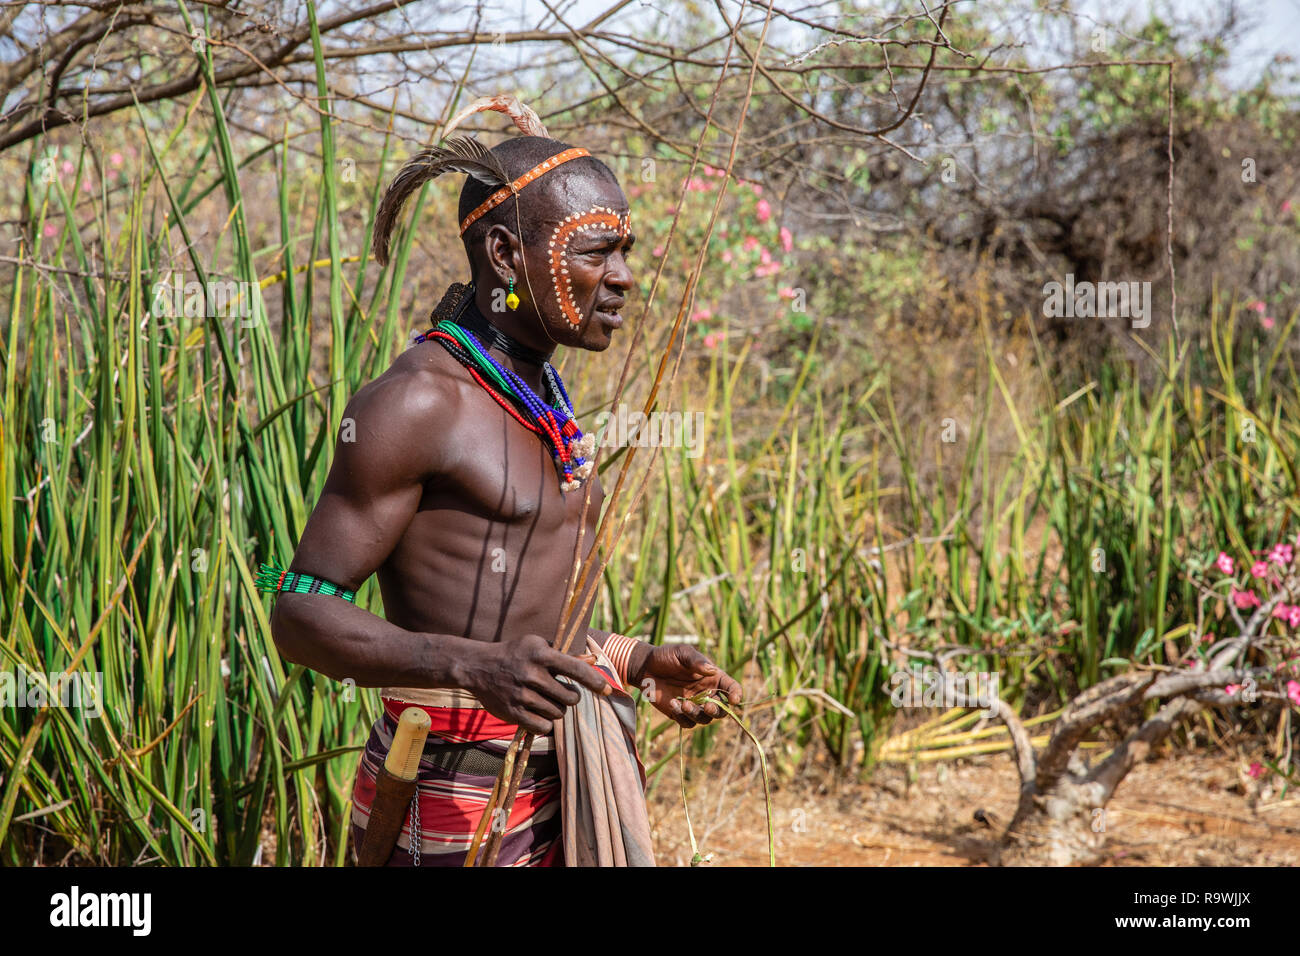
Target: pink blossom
x=1282, y=611
x=764, y=256
x=1223, y=563
x=1268, y=321
x=49, y=230
x=1293, y=691
x=712, y=339
x=710, y=171
x=758, y=190
x=67, y=165
x=727, y=256
x=701, y=314
x=1244, y=599
x=770, y=269
x=696, y=185
x=85, y=186
x=750, y=244
x=1232, y=689
x=763, y=210
x=1256, y=771
x=1259, y=569
x=115, y=160
x=786, y=292
x=657, y=251
x=1258, y=306
x=1281, y=554
x=1293, y=617
x=787, y=240
x=1286, y=205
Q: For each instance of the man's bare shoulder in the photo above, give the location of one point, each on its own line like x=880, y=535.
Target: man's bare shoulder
x=400, y=412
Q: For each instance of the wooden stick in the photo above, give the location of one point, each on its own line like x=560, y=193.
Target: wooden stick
x=395, y=785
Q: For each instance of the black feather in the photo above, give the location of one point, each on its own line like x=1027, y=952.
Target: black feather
x=462, y=154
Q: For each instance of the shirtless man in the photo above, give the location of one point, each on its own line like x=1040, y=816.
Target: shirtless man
x=458, y=510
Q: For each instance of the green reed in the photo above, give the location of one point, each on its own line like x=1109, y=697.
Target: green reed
x=150, y=460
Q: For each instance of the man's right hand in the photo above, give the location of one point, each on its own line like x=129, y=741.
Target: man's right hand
x=516, y=681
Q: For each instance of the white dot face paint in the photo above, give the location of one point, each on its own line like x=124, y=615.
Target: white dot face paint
x=572, y=225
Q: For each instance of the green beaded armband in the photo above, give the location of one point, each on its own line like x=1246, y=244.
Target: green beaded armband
x=272, y=579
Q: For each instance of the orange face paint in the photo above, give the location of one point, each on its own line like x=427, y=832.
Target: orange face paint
x=573, y=225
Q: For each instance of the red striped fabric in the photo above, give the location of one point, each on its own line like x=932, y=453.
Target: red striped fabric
x=451, y=803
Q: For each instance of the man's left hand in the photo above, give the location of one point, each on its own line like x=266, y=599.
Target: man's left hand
x=674, y=673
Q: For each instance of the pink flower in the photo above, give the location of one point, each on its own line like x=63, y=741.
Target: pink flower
x=1286, y=205
x=1259, y=569
x=758, y=190
x=1293, y=691
x=763, y=209
x=1256, y=771
x=787, y=240
x=710, y=171
x=1281, y=554
x=1232, y=689
x=697, y=185
x=1223, y=563
x=770, y=269
x=701, y=314
x=1268, y=322
x=115, y=160
x=786, y=292
x=1244, y=599
x=712, y=339
x=764, y=256
x=49, y=230
x=1293, y=618
x=67, y=165
x=750, y=244
x=1282, y=611
x=657, y=251
x=727, y=256
x=85, y=186
x=1258, y=306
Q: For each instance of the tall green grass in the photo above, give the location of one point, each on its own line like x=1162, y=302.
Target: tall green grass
x=149, y=460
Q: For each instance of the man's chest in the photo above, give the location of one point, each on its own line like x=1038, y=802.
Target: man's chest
x=503, y=473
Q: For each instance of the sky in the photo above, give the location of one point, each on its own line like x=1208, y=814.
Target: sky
x=1275, y=24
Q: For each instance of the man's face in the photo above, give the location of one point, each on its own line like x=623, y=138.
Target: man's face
x=578, y=267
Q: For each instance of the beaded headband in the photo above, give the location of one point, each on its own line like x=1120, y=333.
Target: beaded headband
x=505, y=192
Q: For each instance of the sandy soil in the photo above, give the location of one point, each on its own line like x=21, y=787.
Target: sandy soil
x=1189, y=810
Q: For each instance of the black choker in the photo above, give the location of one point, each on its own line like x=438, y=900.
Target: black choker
x=469, y=316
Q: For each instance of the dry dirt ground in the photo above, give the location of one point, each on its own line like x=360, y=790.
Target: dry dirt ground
x=1187, y=810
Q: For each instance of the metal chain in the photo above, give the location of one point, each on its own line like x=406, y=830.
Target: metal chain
x=414, y=848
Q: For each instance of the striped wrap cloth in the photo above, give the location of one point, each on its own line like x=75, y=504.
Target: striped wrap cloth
x=587, y=811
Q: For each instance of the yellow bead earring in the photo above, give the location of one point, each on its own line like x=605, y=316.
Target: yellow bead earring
x=512, y=300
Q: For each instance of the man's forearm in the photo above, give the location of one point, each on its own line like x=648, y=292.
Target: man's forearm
x=340, y=640
x=636, y=661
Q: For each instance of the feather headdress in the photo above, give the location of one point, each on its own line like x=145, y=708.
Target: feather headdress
x=464, y=155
